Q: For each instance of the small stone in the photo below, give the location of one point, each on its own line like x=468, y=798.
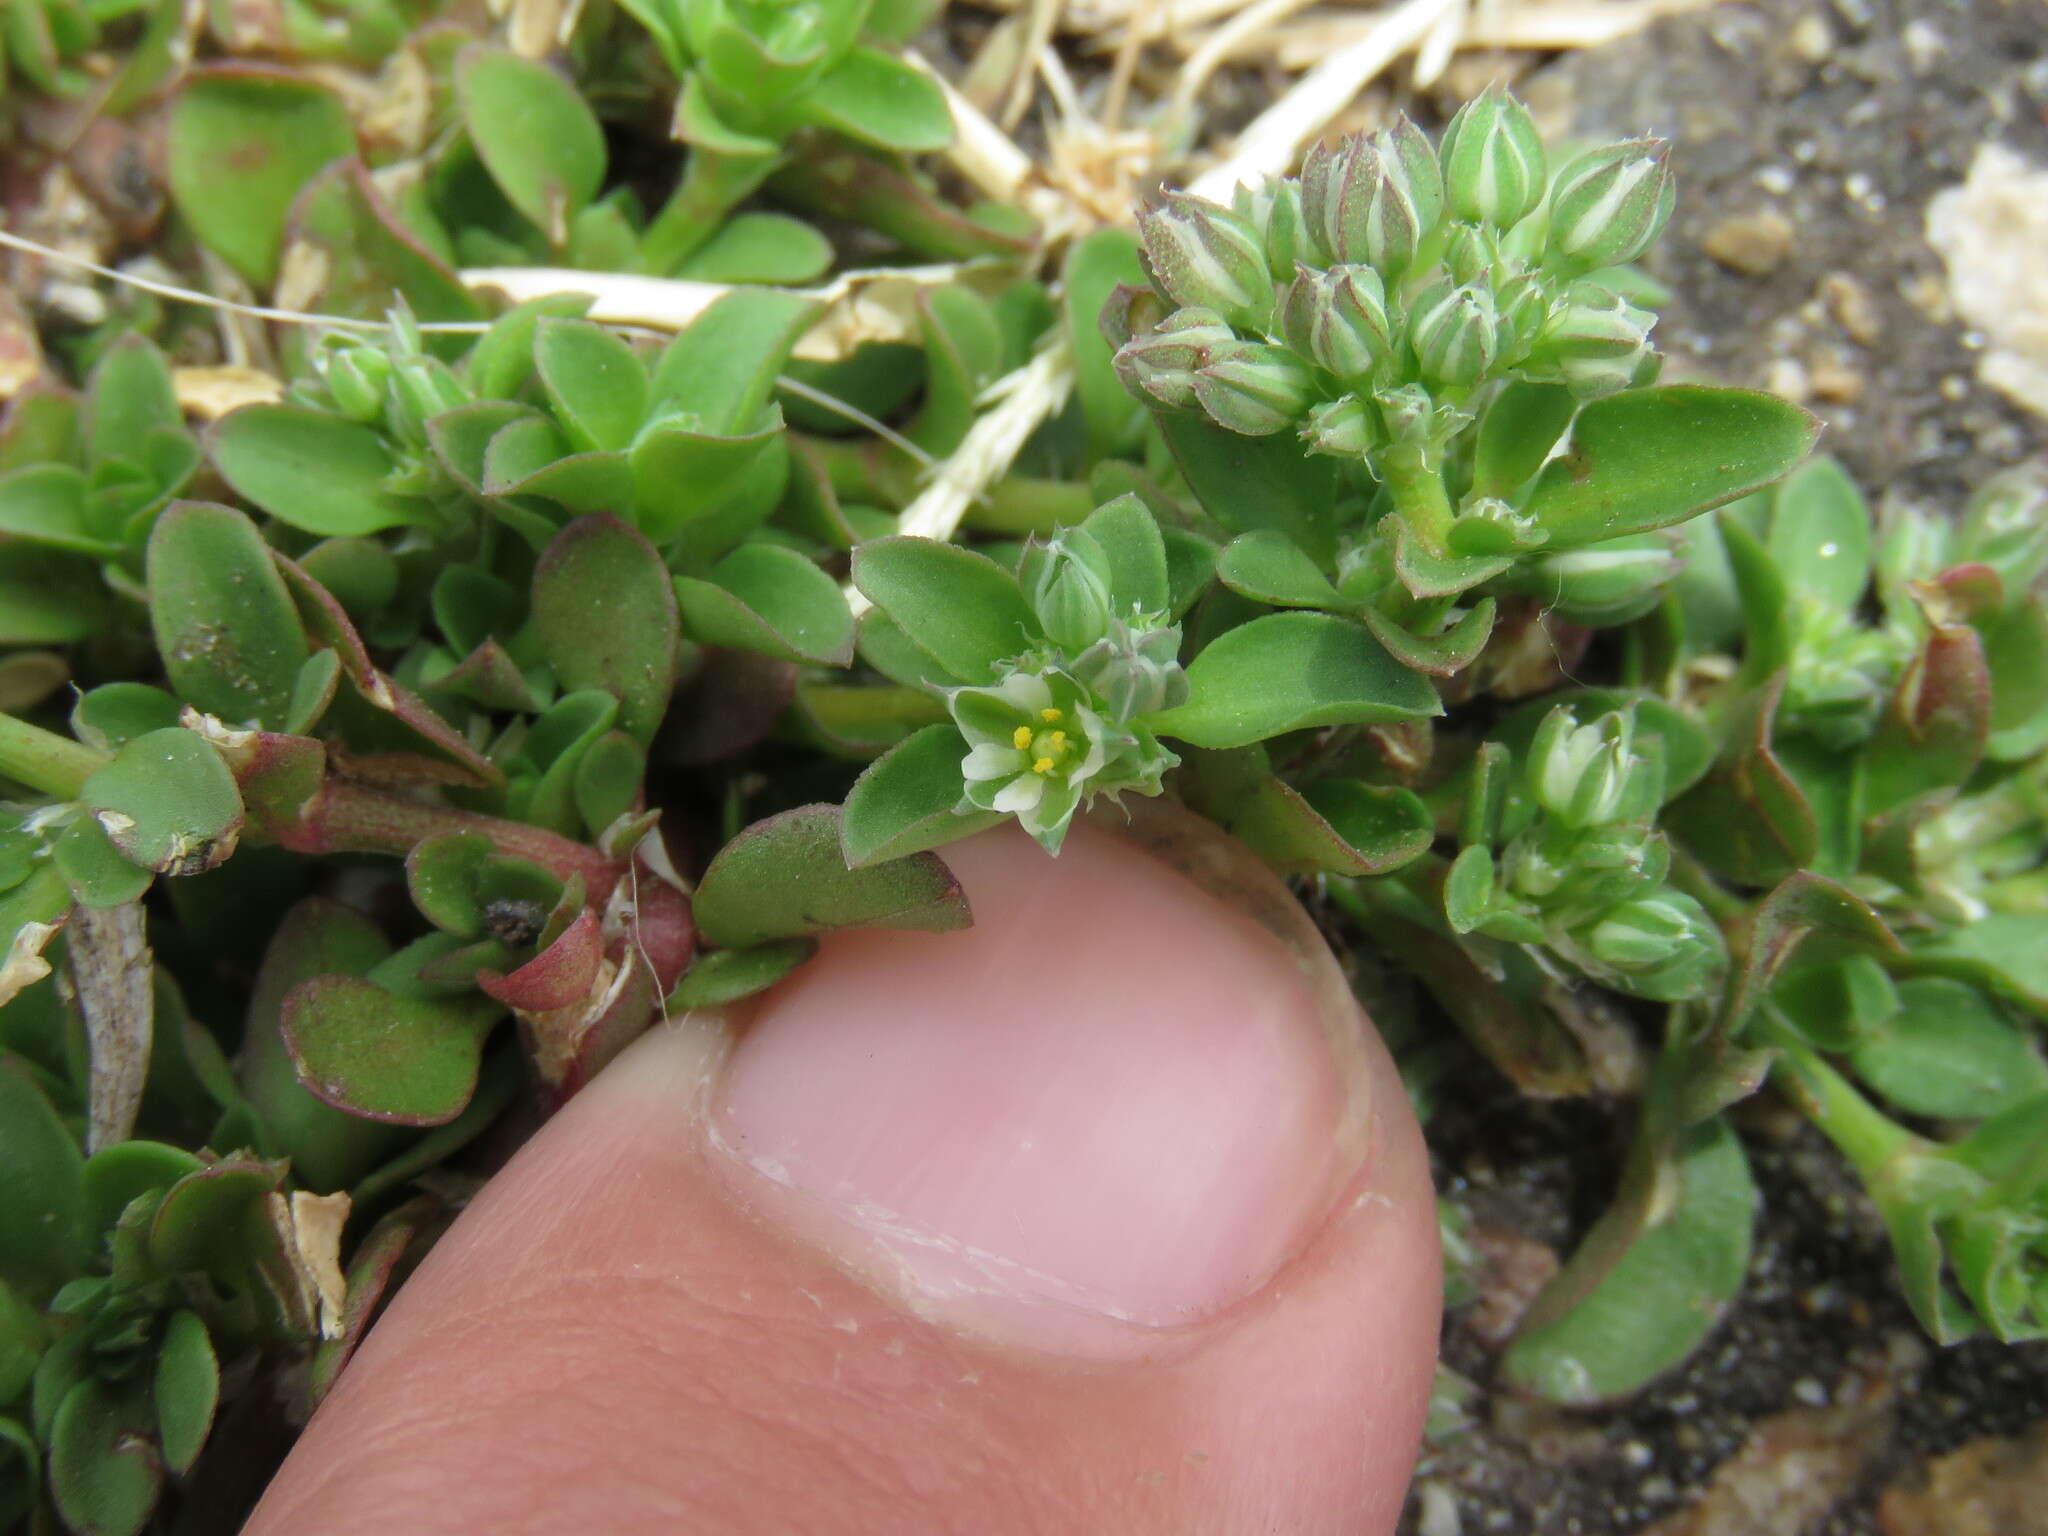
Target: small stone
x=1439, y=1511
x=1924, y=45
x=1835, y=382
x=1929, y=294
x=1791, y=1470
x=1511, y=1270
x=1990, y=231
x=1855, y=311
x=1776, y=179
x=1754, y=244
x=1786, y=377
x=1808, y=1390
x=1812, y=39
x=1990, y=1487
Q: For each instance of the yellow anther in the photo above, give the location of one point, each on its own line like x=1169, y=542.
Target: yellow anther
x=1043, y=765
x=1048, y=715
x=1059, y=741
x=1021, y=737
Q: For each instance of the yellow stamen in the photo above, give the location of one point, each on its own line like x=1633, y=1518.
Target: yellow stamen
x=1059, y=741
x=1021, y=737
x=1043, y=765
x=1048, y=715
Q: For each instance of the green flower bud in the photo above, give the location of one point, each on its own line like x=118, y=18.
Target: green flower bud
x=1609, y=205
x=1339, y=319
x=1455, y=333
x=1274, y=210
x=1377, y=200
x=1586, y=870
x=1160, y=364
x=1472, y=254
x=357, y=378
x=421, y=389
x=1602, y=584
x=1494, y=168
x=1203, y=254
x=1134, y=670
x=1580, y=773
x=1523, y=304
x=1664, y=946
x=1345, y=429
x=1254, y=388
x=1594, y=341
x=1066, y=580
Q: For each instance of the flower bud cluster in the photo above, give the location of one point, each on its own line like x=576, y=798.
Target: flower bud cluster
x=395, y=386
x=1390, y=263
x=1585, y=879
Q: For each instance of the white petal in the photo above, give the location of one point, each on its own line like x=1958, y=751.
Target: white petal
x=1020, y=794
x=989, y=761
x=1026, y=690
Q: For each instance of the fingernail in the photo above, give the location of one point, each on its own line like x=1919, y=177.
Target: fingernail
x=1117, y=1097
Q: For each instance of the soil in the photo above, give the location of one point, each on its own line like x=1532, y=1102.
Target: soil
x=1809, y=138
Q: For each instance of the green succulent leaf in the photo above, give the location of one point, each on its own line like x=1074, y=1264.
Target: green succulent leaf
x=1289, y=672
x=226, y=626
x=187, y=1390
x=243, y=140
x=1268, y=567
x=1095, y=266
x=1820, y=535
x=1647, y=458
x=49, y=504
x=959, y=607
x=114, y=714
x=168, y=802
x=94, y=869
x=380, y=1056
x=720, y=370
x=1256, y=482
x=534, y=133
x=727, y=975
x=319, y=473
x=760, y=248
x=787, y=878
x=877, y=99
x=1647, y=1285
x=104, y=1470
x=1949, y=1052
x=48, y=597
x=43, y=1237
x=1523, y=422
x=605, y=610
x=328, y=1148
x=118, y=1174
x=595, y=382
x=906, y=801
x=1340, y=827
x=769, y=599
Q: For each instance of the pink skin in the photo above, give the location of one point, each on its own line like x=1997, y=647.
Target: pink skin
x=1099, y=1217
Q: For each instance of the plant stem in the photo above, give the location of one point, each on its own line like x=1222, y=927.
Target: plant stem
x=46, y=762
x=713, y=183
x=352, y=818
x=1858, y=1128
x=1691, y=877
x=1420, y=500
